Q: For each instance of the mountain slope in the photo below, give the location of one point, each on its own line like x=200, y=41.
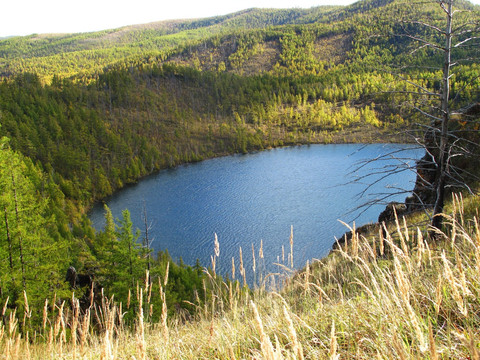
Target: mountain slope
x=80, y=55
x=327, y=34
x=138, y=39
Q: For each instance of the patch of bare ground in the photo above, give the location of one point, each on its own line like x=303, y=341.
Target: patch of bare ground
x=262, y=61
x=333, y=48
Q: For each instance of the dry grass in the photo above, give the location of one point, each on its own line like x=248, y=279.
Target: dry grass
x=396, y=298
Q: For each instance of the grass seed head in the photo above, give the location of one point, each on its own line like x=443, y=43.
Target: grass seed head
x=217, y=246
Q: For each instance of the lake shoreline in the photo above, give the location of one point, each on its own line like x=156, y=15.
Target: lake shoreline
x=251, y=197
x=346, y=137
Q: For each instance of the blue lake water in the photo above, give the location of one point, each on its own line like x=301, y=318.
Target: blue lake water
x=246, y=199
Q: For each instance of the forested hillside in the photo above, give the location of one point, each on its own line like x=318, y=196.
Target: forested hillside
x=85, y=114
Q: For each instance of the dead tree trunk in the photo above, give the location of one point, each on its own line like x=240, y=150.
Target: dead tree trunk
x=444, y=148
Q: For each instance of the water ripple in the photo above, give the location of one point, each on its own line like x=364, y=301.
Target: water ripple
x=248, y=198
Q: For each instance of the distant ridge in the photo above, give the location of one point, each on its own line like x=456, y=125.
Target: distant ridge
x=245, y=42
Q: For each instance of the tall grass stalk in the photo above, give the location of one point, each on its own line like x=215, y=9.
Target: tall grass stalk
x=388, y=295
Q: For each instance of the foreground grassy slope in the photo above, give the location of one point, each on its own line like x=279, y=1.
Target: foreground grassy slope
x=400, y=297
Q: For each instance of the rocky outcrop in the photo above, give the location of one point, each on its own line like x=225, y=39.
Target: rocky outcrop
x=423, y=194
x=392, y=208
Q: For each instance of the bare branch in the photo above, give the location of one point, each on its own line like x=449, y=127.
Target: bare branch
x=457, y=95
x=381, y=198
x=458, y=33
x=418, y=86
x=388, y=156
x=427, y=114
x=442, y=5
x=417, y=49
x=408, y=93
x=465, y=41
x=423, y=41
x=437, y=29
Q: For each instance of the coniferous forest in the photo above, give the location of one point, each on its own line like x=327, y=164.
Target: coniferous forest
x=83, y=115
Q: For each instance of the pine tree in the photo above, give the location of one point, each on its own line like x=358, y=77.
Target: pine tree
x=37, y=261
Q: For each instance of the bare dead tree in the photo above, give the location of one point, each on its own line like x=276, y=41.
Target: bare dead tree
x=147, y=242
x=448, y=133
x=436, y=170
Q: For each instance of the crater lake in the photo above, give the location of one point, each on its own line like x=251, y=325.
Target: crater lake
x=258, y=198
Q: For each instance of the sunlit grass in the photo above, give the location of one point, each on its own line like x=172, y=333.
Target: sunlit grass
x=398, y=297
